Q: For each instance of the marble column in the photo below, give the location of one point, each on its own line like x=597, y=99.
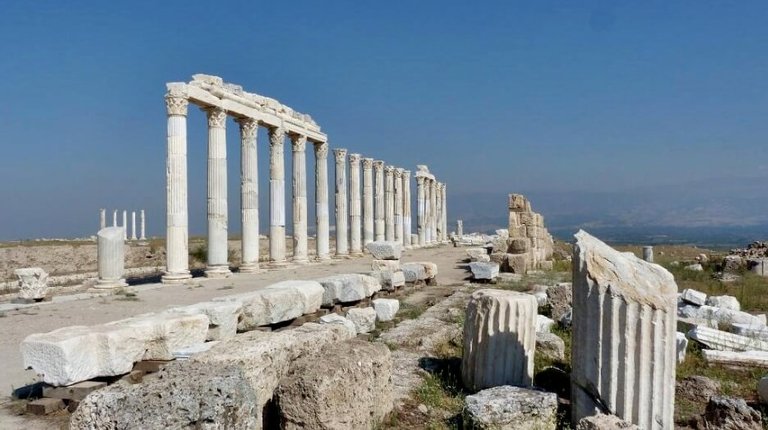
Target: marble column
x=249, y=194
x=398, y=206
x=143, y=225
x=367, y=201
x=276, y=196
x=460, y=228
x=218, y=254
x=378, y=223
x=125, y=225
x=439, y=212
x=407, y=208
x=427, y=211
x=114, y=218
x=300, y=247
x=421, y=227
x=342, y=248
x=445, y=214
x=133, y=225
x=321, y=201
x=111, y=258
x=389, y=203
x=355, y=206
x=102, y=218
x=177, y=231
x=433, y=209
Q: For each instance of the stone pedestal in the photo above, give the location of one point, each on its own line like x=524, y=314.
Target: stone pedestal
x=111, y=258
x=276, y=196
x=249, y=195
x=217, y=266
x=367, y=201
x=624, y=336
x=355, y=206
x=648, y=254
x=499, y=339
x=398, y=205
x=378, y=224
x=342, y=248
x=321, y=201
x=300, y=247
x=407, y=209
x=389, y=203
x=33, y=283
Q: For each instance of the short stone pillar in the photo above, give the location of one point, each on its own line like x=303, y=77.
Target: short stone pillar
x=758, y=266
x=33, y=283
x=499, y=339
x=460, y=228
x=624, y=336
x=648, y=254
x=111, y=258
x=102, y=218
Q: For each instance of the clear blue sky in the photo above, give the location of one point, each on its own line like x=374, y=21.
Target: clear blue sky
x=496, y=97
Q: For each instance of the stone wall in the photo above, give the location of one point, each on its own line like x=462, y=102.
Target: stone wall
x=529, y=245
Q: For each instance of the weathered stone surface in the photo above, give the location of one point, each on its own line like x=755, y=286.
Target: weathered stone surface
x=414, y=272
x=510, y=277
x=729, y=413
x=541, y=298
x=550, y=345
x=725, y=302
x=343, y=386
x=499, y=339
x=750, y=330
x=543, y=324
x=695, y=267
x=389, y=279
x=560, y=298
x=224, y=388
x=333, y=318
x=762, y=390
x=390, y=265
x=33, y=283
x=511, y=408
x=111, y=256
x=732, y=263
x=682, y=346
x=478, y=254
x=364, y=319
x=724, y=341
x=604, y=422
x=697, y=388
x=430, y=269
x=384, y=250
x=719, y=315
x=745, y=358
x=386, y=309
x=349, y=287
x=78, y=353
x=222, y=317
x=518, y=263
x=484, y=271
x=624, y=313
x=693, y=297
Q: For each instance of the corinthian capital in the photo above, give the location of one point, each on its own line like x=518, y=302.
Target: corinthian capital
x=340, y=154
x=367, y=163
x=276, y=136
x=354, y=158
x=398, y=173
x=321, y=150
x=176, y=105
x=389, y=169
x=249, y=127
x=378, y=164
x=406, y=174
x=217, y=117
x=299, y=142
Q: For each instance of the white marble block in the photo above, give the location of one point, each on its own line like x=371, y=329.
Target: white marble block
x=725, y=302
x=276, y=303
x=338, y=319
x=682, y=346
x=349, y=287
x=624, y=336
x=222, y=317
x=693, y=297
x=724, y=341
x=389, y=279
x=33, y=283
x=385, y=250
x=499, y=339
x=364, y=319
x=386, y=309
x=111, y=257
x=485, y=271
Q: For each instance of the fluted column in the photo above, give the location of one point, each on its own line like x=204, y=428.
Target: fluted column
x=114, y=212
x=378, y=224
x=367, y=201
x=445, y=214
x=133, y=225
x=428, y=210
x=111, y=258
x=439, y=212
x=125, y=225
x=249, y=194
x=276, y=196
x=433, y=209
x=300, y=248
x=398, y=206
x=407, y=208
x=421, y=227
x=321, y=201
x=389, y=203
x=342, y=248
x=355, y=206
x=177, y=231
x=217, y=266
x=102, y=218
x=143, y=226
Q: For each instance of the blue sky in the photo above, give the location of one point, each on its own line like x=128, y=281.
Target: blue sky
x=497, y=97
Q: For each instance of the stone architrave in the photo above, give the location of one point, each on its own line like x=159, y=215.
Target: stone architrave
x=355, y=206
x=102, y=218
x=342, y=247
x=218, y=264
x=300, y=243
x=133, y=225
x=407, y=209
x=249, y=194
x=398, y=205
x=367, y=201
x=33, y=283
x=389, y=203
x=499, y=339
x=177, y=247
x=276, y=196
x=624, y=336
x=111, y=258
x=125, y=225
x=321, y=201
x=378, y=224
x=421, y=208
x=143, y=225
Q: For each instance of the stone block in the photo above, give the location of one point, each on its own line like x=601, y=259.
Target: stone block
x=762, y=390
x=550, y=345
x=33, y=283
x=45, y=406
x=733, y=358
x=719, y=315
x=346, y=288
x=390, y=265
x=385, y=250
x=510, y=277
x=333, y=318
x=604, y=422
x=518, y=245
x=73, y=392
x=518, y=263
x=725, y=302
x=544, y=324
x=478, y=254
x=389, y=280
x=414, y=272
x=345, y=386
x=729, y=413
x=364, y=319
x=484, y=271
x=386, y=309
x=695, y=267
x=277, y=303
x=511, y=408
x=724, y=341
x=222, y=317
x=693, y=297
x=682, y=346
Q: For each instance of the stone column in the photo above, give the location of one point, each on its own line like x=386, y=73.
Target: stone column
x=300, y=247
x=433, y=208
x=421, y=227
x=438, y=212
x=499, y=339
x=177, y=246
x=249, y=194
x=111, y=258
x=125, y=225
x=133, y=225
x=355, y=206
x=143, y=226
x=407, y=208
x=389, y=203
x=276, y=196
x=321, y=201
x=460, y=228
x=445, y=213
x=624, y=349
x=218, y=251
x=367, y=201
x=648, y=254
x=342, y=249
x=378, y=168
x=114, y=218
x=398, y=206
x=102, y=219
x=427, y=211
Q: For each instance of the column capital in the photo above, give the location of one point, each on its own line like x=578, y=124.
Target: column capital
x=367, y=163
x=276, y=136
x=340, y=154
x=354, y=158
x=217, y=117
x=389, y=169
x=378, y=164
x=420, y=180
x=398, y=173
x=406, y=174
x=248, y=127
x=299, y=142
x=321, y=150
x=176, y=105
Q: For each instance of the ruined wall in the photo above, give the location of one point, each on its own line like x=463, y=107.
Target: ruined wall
x=529, y=245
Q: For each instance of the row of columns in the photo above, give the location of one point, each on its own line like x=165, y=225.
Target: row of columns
x=382, y=212
x=133, y=236
x=432, y=219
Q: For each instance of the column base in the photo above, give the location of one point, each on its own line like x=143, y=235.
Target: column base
x=106, y=284
x=356, y=254
x=221, y=271
x=323, y=258
x=249, y=268
x=278, y=264
x=176, y=278
x=300, y=260
x=341, y=256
